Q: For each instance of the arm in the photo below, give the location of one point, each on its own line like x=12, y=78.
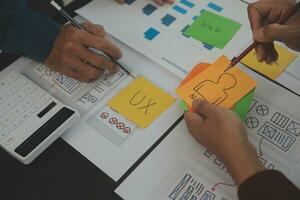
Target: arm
x=222, y=132
x=268, y=185
x=64, y=49
x=24, y=31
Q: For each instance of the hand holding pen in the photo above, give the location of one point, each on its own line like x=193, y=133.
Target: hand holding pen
x=70, y=54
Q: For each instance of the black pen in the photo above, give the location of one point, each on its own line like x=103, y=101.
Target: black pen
x=78, y=25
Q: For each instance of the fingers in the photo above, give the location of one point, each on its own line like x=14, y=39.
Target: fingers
x=74, y=74
x=161, y=2
x=120, y=1
x=257, y=12
x=89, y=72
x=266, y=52
x=202, y=107
x=194, y=122
x=273, y=32
x=96, y=60
x=94, y=29
x=102, y=45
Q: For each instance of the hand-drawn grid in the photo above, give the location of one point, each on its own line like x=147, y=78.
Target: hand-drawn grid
x=277, y=137
x=191, y=188
x=217, y=162
x=294, y=128
x=67, y=83
x=279, y=119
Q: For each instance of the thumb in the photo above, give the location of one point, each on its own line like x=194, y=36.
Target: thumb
x=194, y=122
x=271, y=33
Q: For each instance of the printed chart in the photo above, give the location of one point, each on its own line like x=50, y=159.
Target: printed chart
x=168, y=34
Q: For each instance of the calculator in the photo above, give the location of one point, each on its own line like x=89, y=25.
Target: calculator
x=30, y=118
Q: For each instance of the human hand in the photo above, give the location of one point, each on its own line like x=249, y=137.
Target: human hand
x=223, y=133
x=159, y=2
x=71, y=55
x=263, y=16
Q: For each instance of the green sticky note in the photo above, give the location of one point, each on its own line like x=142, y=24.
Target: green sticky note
x=242, y=107
x=183, y=106
x=213, y=29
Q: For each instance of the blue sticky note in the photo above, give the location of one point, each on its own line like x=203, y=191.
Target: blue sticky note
x=151, y=33
x=215, y=7
x=149, y=9
x=187, y=3
x=168, y=20
x=180, y=9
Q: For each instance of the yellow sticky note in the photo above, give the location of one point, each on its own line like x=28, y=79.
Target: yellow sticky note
x=216, y=86
x=285, y=58
x=141, y=102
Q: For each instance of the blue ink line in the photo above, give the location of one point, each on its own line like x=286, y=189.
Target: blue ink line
x=168, y=20
x=215, y=7
x=187, y=3
x=151, y=33
x=149, y=9
x=179, y=9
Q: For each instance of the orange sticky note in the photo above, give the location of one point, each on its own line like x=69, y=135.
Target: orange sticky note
x=195, y=71
x=217, y=86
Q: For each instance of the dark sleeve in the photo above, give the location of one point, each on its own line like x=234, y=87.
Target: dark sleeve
x=24, y=31
x=268, y=185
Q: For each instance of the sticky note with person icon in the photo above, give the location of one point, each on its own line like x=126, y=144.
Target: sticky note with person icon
x=217, y=86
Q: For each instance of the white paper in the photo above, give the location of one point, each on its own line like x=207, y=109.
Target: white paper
x=170, y=48
x=163, y=171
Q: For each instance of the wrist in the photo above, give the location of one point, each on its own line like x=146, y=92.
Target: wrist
x=242, y=163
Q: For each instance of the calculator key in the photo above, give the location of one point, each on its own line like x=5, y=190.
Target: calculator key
x=10, y=104
x=17, y=111
x=25, y=116
x=3, y=97
x=38, y=94
x=8, y=140
x=15, y=124
x=3, y=133
x=20, y=83
x=7, y=119
x=45, y=99
x=10, y=90
x=35, y=107
x=29, y=88
x=12, y=77
x=19, y=96
x=3, y=84
x=2, y=111
x=27, y=103
x=1, y=126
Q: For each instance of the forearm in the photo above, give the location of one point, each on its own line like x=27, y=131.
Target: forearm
x=268, y=185
x=242, y=162
x=24, y=31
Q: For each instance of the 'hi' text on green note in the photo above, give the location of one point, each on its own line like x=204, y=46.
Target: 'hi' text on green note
x=213, y=29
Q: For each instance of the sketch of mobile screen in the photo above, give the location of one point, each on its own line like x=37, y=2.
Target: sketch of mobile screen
x=113, y=126
x=184, y=182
